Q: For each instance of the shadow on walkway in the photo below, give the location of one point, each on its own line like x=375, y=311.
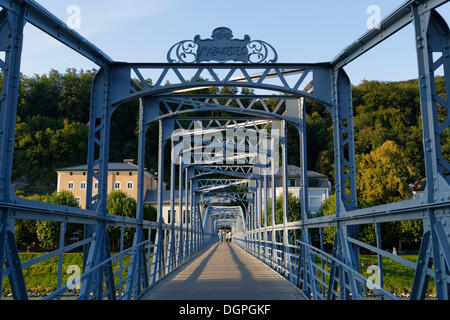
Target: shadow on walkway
x=224, y=272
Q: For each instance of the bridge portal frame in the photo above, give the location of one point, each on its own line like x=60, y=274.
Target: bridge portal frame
x=332, y=88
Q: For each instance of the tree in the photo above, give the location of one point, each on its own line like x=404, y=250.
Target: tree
x=118, y=203
x=384, y=175
x=48, y=231
x=25, y=230
x=366, y=233
x=328, y=208
x=294, y=209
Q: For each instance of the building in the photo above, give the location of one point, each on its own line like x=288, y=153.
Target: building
x=152, y=199
x=319, y=186
x=121, y=176
x=318, y=191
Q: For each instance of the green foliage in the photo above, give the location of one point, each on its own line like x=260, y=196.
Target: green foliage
x=150, y=213
x=52, y=128
x=47, y=135
x=366, y=233
x=294, y=208
x=382, y=111
x=120, y=204
x=47, y=232
x=42, y=277
x=52, y=132
x=384, y=175
x=25, y=233
x=328, y=208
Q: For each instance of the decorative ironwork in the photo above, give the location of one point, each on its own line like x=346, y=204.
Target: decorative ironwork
x=222, y=48
x=159, y=248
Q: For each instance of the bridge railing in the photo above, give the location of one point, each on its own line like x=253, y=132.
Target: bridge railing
x=177, y=246
x=325, y=275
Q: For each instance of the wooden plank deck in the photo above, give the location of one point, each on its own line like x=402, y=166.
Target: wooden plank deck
x=224, y=272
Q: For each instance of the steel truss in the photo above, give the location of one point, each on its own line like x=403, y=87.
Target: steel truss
x=229, y=190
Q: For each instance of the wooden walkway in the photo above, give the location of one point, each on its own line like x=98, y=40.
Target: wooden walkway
x=224, y=272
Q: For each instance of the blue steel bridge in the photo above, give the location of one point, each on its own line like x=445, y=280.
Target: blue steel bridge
x=182, y=259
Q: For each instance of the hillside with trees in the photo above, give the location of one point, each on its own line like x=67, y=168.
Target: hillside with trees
x=53, y=118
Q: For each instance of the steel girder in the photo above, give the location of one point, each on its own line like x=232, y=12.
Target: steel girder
x=252, y=219
x=433, y=37
x=11, y=40
x=330, y=86
x=234, y=75
x=54, y=27
x=390, y=25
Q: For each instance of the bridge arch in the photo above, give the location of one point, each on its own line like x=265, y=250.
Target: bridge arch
x=331, y=87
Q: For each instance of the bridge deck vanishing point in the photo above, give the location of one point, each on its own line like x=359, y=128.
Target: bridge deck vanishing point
x=224, y=272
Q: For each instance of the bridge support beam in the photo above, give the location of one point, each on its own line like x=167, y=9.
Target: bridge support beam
x=138, y=268
x=274, y=169
x=306, y=271
x=165, y=132
x=344, y=156
x=11, y=40
x=285, y=174
x=172, y=240
x=180, y=214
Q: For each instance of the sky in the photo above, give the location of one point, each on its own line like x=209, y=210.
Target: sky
x=301, y=31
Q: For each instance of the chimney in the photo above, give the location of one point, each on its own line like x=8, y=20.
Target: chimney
x=129, y=161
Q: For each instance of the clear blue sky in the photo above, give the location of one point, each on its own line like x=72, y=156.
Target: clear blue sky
x=301, y=31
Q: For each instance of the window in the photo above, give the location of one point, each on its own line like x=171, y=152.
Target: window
x=116, y=185
x=96, y=185
x=168, y=217
x=317, y=183
x=130, y=173
x=130, y=185
x=83, y=185
x=78, y=199
x=70, y=185
x=315, y=201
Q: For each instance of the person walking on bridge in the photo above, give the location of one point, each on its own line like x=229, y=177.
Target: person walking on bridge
x=220, y=235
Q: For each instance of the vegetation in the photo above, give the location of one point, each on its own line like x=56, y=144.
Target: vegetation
x=120, y=204
x=53, y=117
x=42, y=277
x=384, y=175
x=44, y=235
x=294, y=209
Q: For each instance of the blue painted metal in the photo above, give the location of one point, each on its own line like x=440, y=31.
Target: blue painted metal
x=194, y=226
x=433, y=37
x=54, y=27
x=12, y=24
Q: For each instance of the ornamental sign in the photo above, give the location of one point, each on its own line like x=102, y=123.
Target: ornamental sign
x=222, y=48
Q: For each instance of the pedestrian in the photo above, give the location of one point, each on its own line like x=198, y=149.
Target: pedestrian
x=219, y=236
x=228, y=236
x=394, y=251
